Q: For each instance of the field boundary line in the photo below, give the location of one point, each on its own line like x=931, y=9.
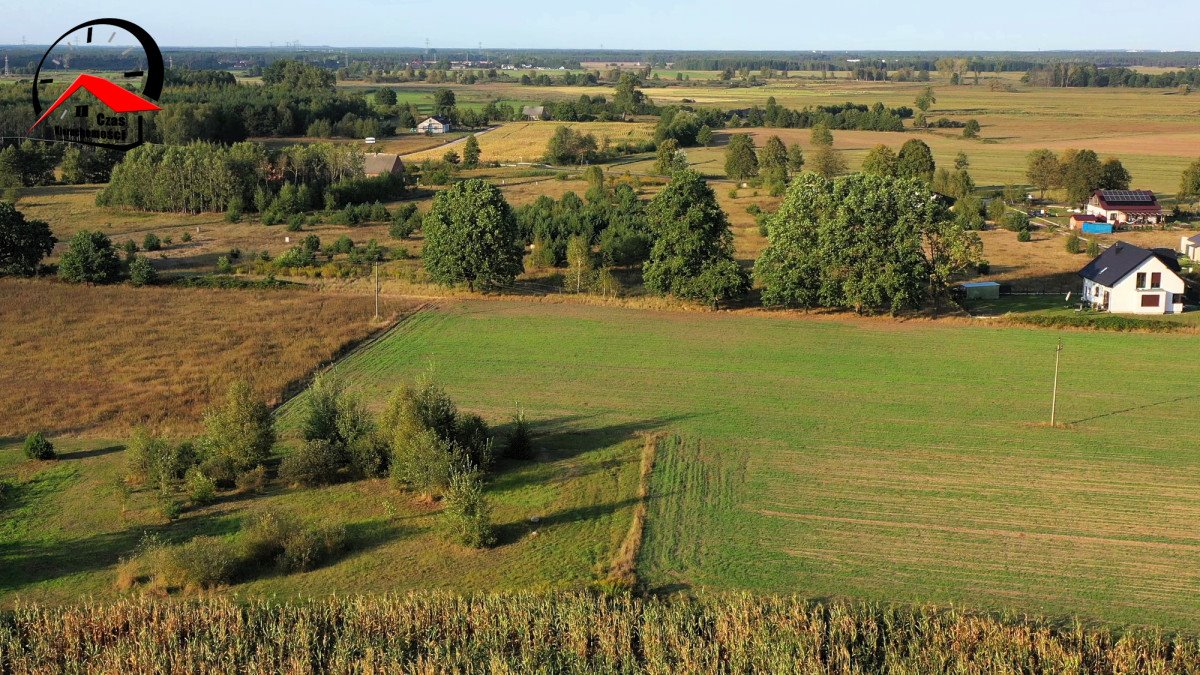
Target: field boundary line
x=299, y=385
x=624, y=566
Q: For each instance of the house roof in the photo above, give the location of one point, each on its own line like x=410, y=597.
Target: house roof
x=1086, y=217
x=375, y=164
x=436, y=118
x=1122, y=258
x=1130, y=201
x=1195, y=239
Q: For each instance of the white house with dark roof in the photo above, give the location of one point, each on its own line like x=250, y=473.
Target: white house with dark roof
x=1129, y=279
x=1190, y=247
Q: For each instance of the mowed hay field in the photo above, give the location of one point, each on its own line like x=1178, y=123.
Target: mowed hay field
x=526, y=141
x=101, y=359
x=858, y=457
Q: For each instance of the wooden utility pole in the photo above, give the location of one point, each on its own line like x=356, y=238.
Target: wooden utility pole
x=1054, y=395
x=376, y=291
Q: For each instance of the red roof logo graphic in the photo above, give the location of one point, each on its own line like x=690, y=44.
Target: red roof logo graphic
x=119, y=99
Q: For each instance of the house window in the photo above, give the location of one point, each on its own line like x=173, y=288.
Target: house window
x=1156, y=280
x=1150, y=300
x=1141, y=280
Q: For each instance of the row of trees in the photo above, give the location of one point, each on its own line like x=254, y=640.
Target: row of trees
x=865, y=242
x=1078, y=173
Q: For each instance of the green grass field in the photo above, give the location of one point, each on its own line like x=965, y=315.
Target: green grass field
x=857, y=457
x=849, y=457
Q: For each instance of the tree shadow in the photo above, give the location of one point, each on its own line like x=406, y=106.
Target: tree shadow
x=569, y=436
x=88, y=454
x=511, y=533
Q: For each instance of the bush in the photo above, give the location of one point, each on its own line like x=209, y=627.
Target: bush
x=282, y=541
x=468, y=515
x=1023, y=235
x=223, y=265
x=141, y=272
x=200, y=488
x=241, y=428
x=202, y=562
x=520, y=438
x=295, y=223
x=1074, y=244
x=89, y=259
x=221, y=470
x=317, y=462
x=37, y=447
x=1015, y=221
x=253, y=480
x=1093, y=248
x=368, y=458
x=424, y=462
x=187, y=237
x=151, y=242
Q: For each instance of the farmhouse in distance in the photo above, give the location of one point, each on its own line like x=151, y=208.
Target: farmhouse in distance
x=434, y=125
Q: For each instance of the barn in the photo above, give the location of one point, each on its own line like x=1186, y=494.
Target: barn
x=382, y=162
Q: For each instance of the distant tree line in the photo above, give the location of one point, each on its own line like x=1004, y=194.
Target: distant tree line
x=1090, y=75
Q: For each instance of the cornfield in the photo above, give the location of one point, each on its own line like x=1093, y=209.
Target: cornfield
x=563, y=633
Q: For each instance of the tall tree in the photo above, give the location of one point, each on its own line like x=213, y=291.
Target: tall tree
x=23, y=243
x=1114, y=175
x=1043, y=170
x=692, y=256
x=1081, y=174
x=880, y=161
x=1189, y=182
x=915, y=161
x=774, y=154
x=826, y=161
x=863, y=242
x=664, y=161
x=471, y=236
x=470, y=156
x=443, y=102
x=740, y=160
x=795, y=158
x=241, y=428
x=925, y=99
x=821, y=136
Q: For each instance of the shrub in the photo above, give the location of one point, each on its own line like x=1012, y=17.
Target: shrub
x=317, y=462
x=468, y=515
x=295, y=223
x=1074, y=244
x=223, y=265
x=141, y=272
x=368, y=458
x=187, y=237
x=241, y=428
x=220, y=469
x=202, y=562
x=200, y=488
x=282, y=541
x=151, y=242
x=1023, y=235
x=1015, y=221
x=1093, y=248
x=253, y=480
x=520, y=438
x=37, y=447
x=89, y=259
x=424, y=462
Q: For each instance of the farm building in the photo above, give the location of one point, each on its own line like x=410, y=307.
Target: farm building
x=533, y=113
x=982, y=290
x=1078, y=220
x=434, y=125
x=1134, y=280
x=378, y=163
x=1190, y=246
x=1126, y=207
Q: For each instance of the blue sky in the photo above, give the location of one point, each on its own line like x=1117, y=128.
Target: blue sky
x=631, y=24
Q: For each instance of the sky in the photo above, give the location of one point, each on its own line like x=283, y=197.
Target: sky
x=791, y=25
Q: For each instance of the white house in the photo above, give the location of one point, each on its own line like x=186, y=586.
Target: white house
x=1126, y=207
x=1132, y=280
x=1190, y=246
x=434, y=125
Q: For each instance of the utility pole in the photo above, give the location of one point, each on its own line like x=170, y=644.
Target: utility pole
x=1054, y=395
x=377, y=291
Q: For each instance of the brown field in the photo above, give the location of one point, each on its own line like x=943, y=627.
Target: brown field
x=105, y=358
x=526, y=141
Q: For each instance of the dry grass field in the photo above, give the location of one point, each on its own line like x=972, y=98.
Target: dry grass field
x=100, y=359
x=526, y=141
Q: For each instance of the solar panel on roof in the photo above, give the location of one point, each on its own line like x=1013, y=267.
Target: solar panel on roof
x=1128, y=196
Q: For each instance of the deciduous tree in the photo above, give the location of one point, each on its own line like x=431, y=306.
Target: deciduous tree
x=471, y=237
